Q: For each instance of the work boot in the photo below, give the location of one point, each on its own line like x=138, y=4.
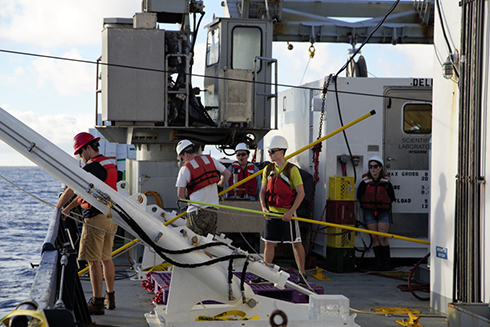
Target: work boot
x=378, y=253
x=385, y=250
x=96, y=306
x=110, y=300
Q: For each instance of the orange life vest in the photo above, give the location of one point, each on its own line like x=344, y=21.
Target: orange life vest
x=111, y=177
x=279, y=192
x=376, y=196
x=251, y=185
x=203, y=173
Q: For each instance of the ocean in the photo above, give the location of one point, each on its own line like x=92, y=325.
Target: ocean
x=23, y=224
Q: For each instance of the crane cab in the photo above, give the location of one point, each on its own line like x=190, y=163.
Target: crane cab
x=239, y=71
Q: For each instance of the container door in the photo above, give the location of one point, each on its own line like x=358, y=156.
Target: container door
x=408, y=123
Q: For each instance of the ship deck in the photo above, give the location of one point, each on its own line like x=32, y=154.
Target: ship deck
x=365, y=291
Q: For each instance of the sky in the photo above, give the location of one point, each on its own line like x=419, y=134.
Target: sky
x=57, y=98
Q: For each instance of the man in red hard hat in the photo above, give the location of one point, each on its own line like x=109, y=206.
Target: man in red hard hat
x=96, y=243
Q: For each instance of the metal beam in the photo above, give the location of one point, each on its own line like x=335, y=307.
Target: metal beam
x=315, y=21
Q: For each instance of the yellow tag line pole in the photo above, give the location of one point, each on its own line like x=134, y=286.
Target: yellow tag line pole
x=313, y=222
x=371, y=113
x=312, y=144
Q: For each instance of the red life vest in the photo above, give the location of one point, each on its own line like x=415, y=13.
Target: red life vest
x=203, y=173
x=111, y=177
x=251, y=185
x=376, y=196
x=280, y=192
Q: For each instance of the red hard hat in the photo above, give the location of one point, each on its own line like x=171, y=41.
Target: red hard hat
x=82, y=139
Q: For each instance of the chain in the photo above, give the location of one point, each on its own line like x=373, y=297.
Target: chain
x=316, y=160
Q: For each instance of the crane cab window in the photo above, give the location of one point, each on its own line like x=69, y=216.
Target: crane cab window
x=417, y=118
x=212, y=47
x=247, y=44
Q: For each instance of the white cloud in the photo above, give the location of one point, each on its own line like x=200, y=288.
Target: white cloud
x=294, y=63
x=405, y=61
x=51, y=23
x=59, y=129
x=67, y=77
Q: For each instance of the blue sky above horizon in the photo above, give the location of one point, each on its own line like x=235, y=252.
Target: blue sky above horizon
x=57, y=98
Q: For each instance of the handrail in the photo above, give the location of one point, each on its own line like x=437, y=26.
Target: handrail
x=52, y=283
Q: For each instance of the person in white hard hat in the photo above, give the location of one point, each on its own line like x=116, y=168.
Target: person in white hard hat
x=376, y=193
x=241, y=169
x=281, y=192
x=198, y=180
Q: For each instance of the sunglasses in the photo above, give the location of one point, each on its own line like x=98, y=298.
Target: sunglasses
x=374, y=166
x=272, y=151
x=241, y=154
x=79, y=152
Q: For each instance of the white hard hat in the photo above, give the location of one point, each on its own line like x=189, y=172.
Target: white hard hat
x=182, y=145
x=278, y=142
x=242, y=147
x=376, y=158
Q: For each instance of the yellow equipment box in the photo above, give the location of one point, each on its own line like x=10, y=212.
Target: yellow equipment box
x=344, y=238
x=341, y=188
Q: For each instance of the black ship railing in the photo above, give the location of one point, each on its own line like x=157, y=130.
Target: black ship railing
x=56, y=294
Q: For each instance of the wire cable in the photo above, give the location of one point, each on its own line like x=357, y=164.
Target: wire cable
x=342, y=69
x=446, y=38
x=203, y=76
x=26, y=192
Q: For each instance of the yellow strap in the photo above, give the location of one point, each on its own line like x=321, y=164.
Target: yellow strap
x=39, y=315
x=226, y=316
x=396, y=310
x=109, y=206
x=412, y=322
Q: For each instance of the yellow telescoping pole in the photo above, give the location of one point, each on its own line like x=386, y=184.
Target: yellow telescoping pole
x=272, y=214
x=369, y=114
x=312, y=144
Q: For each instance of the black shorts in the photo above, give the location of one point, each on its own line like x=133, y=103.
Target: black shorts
x=278, y=230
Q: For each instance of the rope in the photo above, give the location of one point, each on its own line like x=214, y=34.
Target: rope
x=296, y=257
x=157, y=196
x=32, y=195
x=72, y=215
x=239, y=231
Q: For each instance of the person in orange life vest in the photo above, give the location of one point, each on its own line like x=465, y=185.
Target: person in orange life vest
x=281, y=192
x=243, y=169
x=95, y=244
x=198, y=181
x=375, y=193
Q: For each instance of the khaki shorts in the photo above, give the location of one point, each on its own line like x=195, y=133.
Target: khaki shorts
x=95, y=244
x=202, y=222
